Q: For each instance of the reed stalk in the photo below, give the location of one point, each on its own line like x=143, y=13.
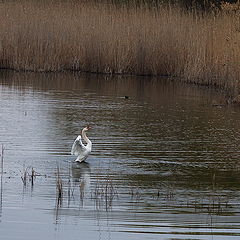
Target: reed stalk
x=24, y=176
x=29, y=175
x=59, y=187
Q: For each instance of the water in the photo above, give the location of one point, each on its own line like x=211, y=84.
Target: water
x=165, y=161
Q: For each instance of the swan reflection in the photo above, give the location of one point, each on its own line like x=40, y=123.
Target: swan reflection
x=81, y=176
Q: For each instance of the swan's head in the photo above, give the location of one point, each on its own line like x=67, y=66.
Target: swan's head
x=88, y=127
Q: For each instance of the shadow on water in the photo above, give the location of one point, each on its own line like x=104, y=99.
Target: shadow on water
x=81, y=177
x=72, y=186
x=81, y=172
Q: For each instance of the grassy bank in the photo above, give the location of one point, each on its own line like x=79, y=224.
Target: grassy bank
x=53, y=36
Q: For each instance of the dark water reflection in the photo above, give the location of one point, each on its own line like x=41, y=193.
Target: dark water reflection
x=165, y=161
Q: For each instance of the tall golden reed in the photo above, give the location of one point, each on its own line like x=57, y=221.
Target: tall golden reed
x=92, y=37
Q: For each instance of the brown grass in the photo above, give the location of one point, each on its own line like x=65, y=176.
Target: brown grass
x=53, y=36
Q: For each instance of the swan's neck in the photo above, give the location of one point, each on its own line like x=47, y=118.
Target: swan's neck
x=86, y=139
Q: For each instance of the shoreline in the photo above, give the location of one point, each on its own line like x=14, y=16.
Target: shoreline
x=230, y=99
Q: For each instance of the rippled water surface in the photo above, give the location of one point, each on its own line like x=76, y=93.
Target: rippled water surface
x=165, y=162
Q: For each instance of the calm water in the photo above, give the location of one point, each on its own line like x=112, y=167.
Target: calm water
x=165, y=162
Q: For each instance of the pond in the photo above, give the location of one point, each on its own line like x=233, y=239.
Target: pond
x=165, y=162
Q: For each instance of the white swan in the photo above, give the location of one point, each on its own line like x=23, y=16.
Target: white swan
x=79, y=149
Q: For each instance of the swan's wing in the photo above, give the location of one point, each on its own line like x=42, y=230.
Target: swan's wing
x=77, y=147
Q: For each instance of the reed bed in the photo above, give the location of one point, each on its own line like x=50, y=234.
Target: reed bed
x=108, y=38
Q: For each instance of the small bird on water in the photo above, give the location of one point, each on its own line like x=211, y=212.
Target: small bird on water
x=79, y=149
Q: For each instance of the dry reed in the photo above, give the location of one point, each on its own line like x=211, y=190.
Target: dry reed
x=104, y=193
x=24, y=176
x=92, y=37
x=59, y=187
x=29, y=176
